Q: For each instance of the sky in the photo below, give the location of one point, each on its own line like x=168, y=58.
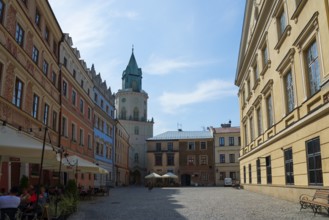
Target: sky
x=187, y=49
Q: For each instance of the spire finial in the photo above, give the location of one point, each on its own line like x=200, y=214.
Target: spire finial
x=133, y=49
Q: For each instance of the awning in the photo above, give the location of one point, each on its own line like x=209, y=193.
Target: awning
x=75, y=163
x=21, y=147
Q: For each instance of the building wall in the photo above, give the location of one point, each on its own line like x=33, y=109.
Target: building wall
x=164, y=167
x=228, y=166
x=121, y=155
x=76, y=80
x=201, y=174
x=292, y=128
x=16, y=63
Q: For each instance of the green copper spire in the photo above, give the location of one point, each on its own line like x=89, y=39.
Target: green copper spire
x=132, y=76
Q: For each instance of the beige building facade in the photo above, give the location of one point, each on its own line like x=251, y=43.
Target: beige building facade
x=227, y=148
x=121, y=155
x=283, y=80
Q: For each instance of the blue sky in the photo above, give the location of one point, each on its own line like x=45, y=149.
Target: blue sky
x=187, y=50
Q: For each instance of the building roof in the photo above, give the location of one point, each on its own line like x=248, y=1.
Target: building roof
x=181, y=135
x=226, y=130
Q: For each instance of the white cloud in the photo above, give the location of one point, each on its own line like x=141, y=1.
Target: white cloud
x=160, y=66
x=205, y=91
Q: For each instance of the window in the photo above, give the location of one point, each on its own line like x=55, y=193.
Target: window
x=191, y=146
x=268, y=170
x=136, y=130
x=170, y=160
x=64, y=127
x=89, y=113
x=65, y=62
x=233, y=175
x=97, y=148
x=35, y=106
x=314, y=165
x=74, y=74
x=256, y=72
x=45, y=67
x=89, y=141
x=289, y=90
x=35, y=55
x=158, y=147
x=221, y=141
x=81, y=83
x=170, y=146
x=244, y=174
x=204, y=176
x=19, y=36
x=74, y=133
x=37, y=18
x=158, y=160
x=64, y=88
x=222, y=158
x=251, y=125
x=259, y=177
x=239, y=141
x=96, y=97
x=203, y=145
x=2, y=9
x=265, y=55
x=107, y=109
x=35, y=169
x=282, y=22
x=54, y=78
x=259, y=121
x=136, y=158
x=190, y=160
x=232, y=158
x=231, y=141
x=54, y=121
x=81, y=137
x=102, y=103
x=55, y=48
x=250, y=177
x=81, y=105
x=289, y=166
x=245, y=134
x=203, y=160
x=74, y=97
x=269, y=111
x=222, y=175
x=46, y=114
x=313, y=68
x=18, y=93
x=136, y=114
x=47, y=34
x=123, y=113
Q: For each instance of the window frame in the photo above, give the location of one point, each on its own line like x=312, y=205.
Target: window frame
x=289, y=166
x=2, y=11
x=46, y=109
x=221, y=141
x=35, y=106
x=45, y=66
x=191, y=145
x=19, y=34
x=314, y=155
x=222, y=158
x=268, y=164
x=18, y=93
x=259, y=172
x=35, y=55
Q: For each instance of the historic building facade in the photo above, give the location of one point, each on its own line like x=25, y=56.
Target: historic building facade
x=104, y=129
x=121, y=155
x=283, y=80
x=131, y=106
x=163, y=154
x=29, y=95
x=187, y=154
x=227, y=148
x=77, y=111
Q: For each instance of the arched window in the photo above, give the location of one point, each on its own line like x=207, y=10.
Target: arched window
x=136, y=114
x=123, y=113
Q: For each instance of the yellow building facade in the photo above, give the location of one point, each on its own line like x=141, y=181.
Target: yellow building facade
x=283, y=80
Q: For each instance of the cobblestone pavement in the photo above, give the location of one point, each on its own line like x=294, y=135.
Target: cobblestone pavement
x=199, y=203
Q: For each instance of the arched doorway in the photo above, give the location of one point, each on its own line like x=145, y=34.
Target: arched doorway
x=185, y=179
x=135, y=177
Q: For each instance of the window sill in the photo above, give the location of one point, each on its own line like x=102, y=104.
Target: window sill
x=282, y=38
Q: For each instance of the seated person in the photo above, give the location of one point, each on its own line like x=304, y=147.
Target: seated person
x=11, y=200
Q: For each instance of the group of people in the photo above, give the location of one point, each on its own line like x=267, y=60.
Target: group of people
x=26, y=201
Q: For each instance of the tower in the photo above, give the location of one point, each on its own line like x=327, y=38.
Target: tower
x=131, y=106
